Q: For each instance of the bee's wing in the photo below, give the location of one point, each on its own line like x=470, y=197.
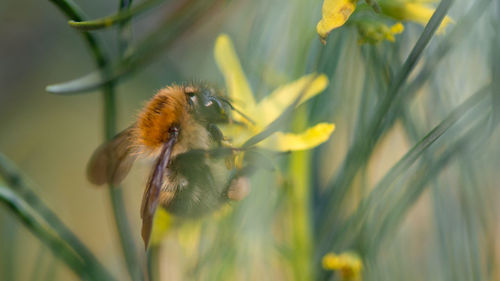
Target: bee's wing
x=153, y=188
x=112, y=161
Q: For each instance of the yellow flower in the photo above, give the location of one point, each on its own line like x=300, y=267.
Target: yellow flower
x=417, y=11
x=348, y=264
x=334, y=14
x=267, y=110
x=375, y=31
x=261, y=113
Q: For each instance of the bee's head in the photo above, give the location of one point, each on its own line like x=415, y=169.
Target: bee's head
x=207, y=106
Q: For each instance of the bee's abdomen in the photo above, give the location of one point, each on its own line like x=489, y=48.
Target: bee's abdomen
x=198, y=188
x=164, y=110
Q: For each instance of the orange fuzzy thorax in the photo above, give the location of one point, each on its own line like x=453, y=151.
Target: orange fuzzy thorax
x=166, y=109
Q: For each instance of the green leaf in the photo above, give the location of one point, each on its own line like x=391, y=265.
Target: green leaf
x=90, y=82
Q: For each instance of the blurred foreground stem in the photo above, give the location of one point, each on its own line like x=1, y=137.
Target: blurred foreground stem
x=351, y=230
x=47, y=235
x=14, y=179
x=364, y=144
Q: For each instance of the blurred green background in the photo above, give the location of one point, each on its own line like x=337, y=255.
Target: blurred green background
x=437, y=219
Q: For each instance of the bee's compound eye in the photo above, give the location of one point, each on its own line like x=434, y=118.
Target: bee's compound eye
x=217, y=105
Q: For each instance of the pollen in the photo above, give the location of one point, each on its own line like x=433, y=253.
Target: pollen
x=166, y=109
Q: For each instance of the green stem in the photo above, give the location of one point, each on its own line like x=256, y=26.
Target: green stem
x=124, y=27
x=183, y=18
x=116, y=193
x=118, y=18
x=127, y=243
x=72, y=12
x=299, y=168
x=300, y=163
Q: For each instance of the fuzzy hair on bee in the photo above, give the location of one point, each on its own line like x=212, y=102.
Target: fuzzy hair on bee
x=178, y=128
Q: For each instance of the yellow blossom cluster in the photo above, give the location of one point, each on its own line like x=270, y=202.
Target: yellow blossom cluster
x=335, y=14
x=374, y=31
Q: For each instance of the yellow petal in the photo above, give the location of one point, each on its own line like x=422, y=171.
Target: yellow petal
x=161, y=224
x=397, y=28
x=411, y=11
x=393, y=30
x=236, y=81
x=236, y=133
x=312, y=137
x=275, y=103
x=334, y=14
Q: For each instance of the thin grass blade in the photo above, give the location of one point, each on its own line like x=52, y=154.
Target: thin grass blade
x=364, y=143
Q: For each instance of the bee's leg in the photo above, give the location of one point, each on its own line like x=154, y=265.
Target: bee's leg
x=215, y=133
x=239, y=188
x=239, y=185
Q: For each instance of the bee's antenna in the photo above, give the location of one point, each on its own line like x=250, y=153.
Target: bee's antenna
x=238, y=111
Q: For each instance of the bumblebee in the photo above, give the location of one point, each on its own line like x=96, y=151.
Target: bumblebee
x=178, y=127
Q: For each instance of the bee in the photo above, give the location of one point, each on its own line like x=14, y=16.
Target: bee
x=178, y=128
